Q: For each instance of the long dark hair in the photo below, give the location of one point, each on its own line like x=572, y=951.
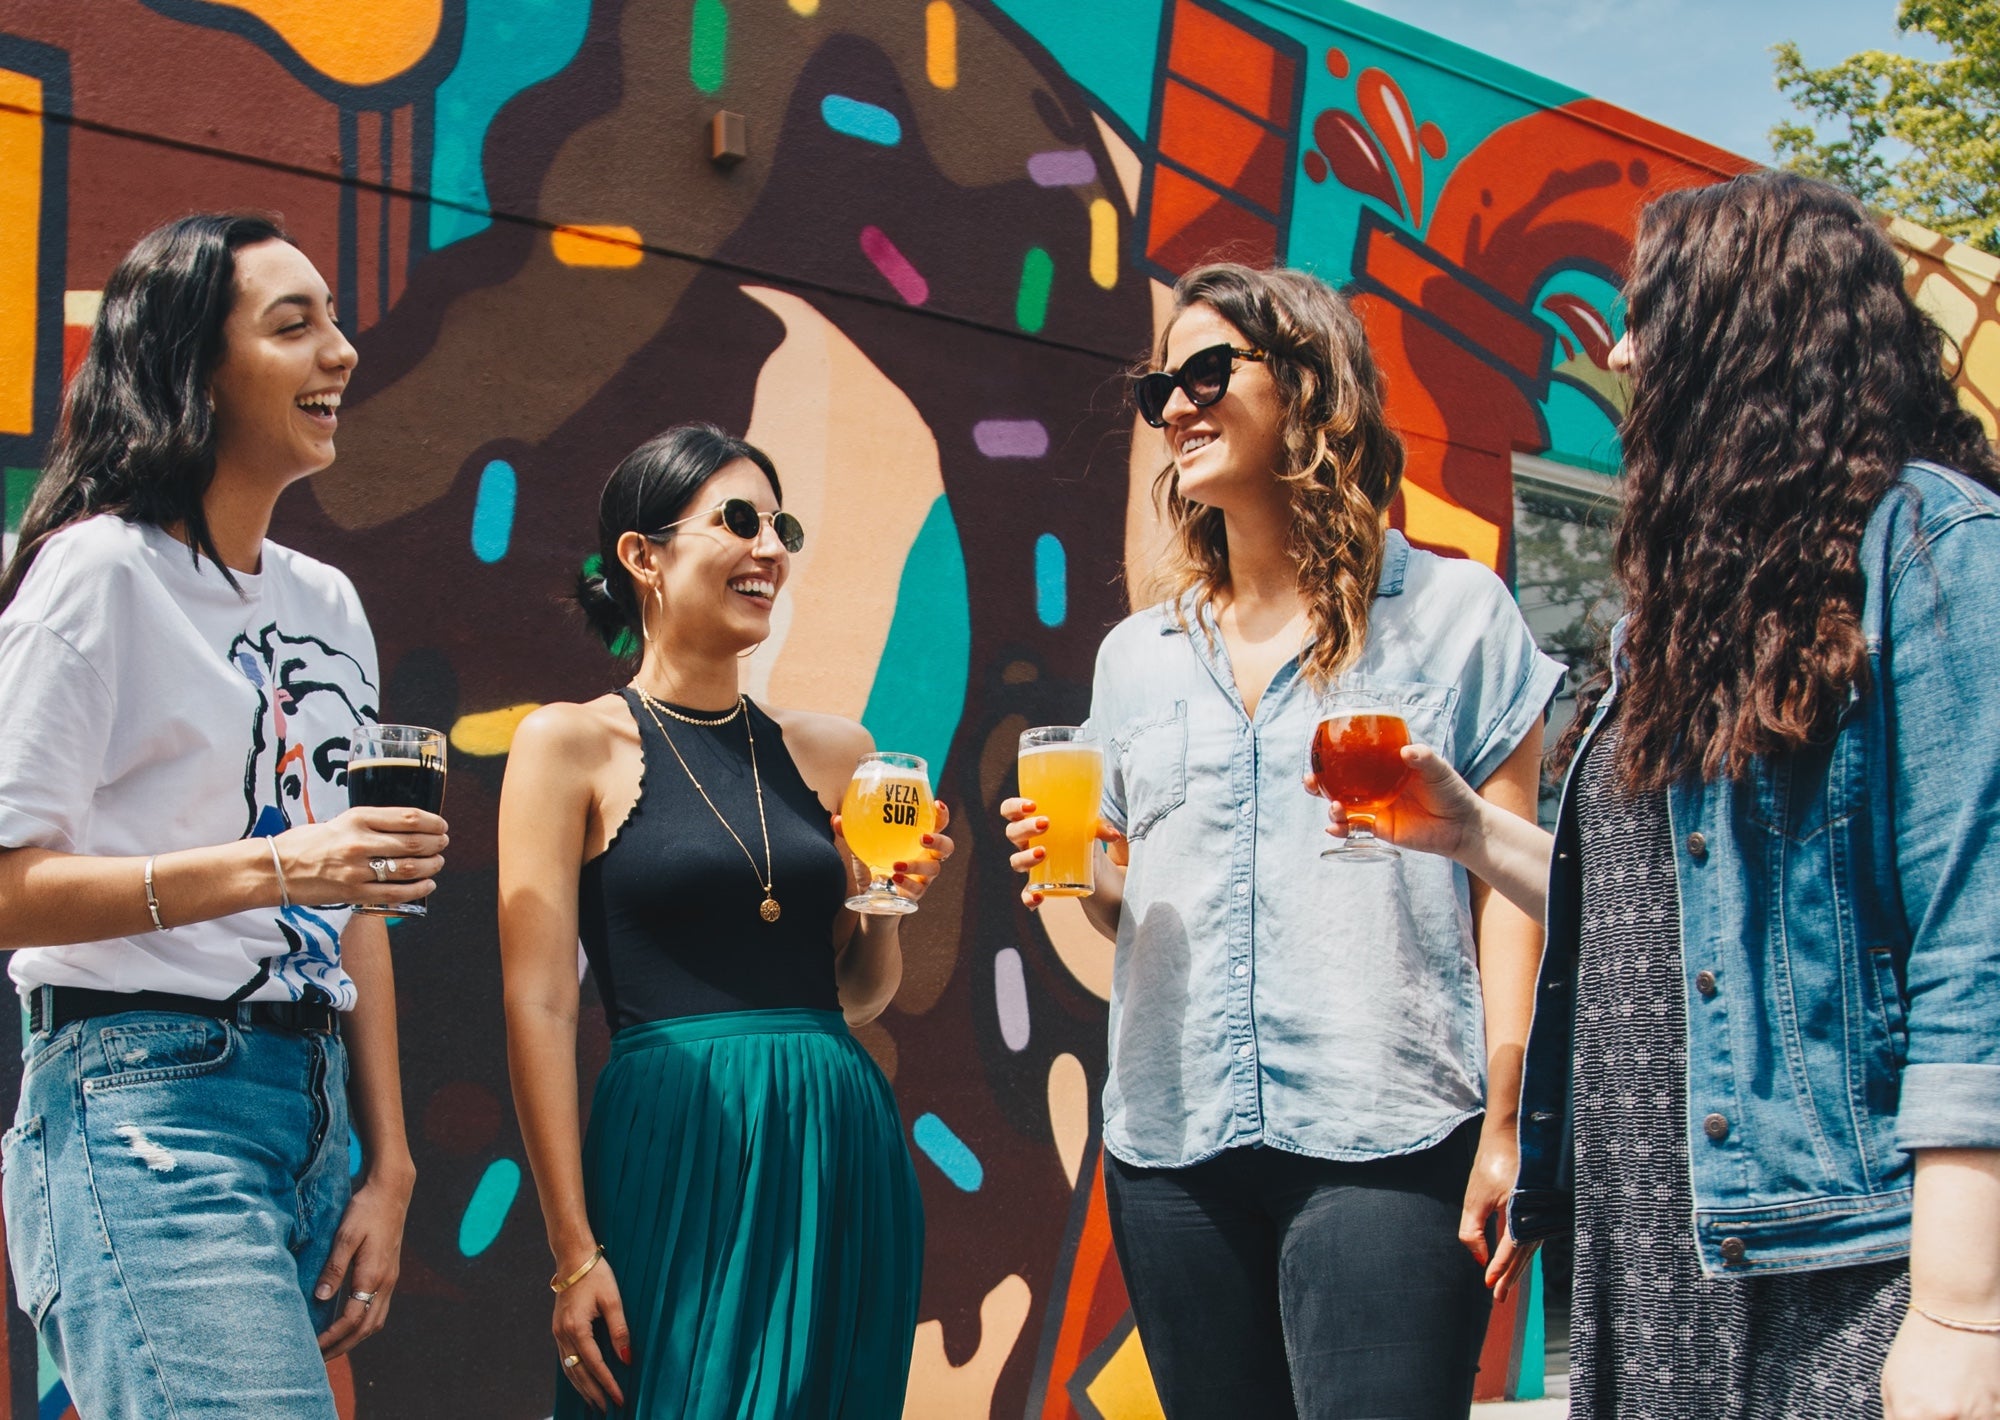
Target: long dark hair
x=1782, y=377
x=650, y=488
x=137, y=436
x=1343, y=461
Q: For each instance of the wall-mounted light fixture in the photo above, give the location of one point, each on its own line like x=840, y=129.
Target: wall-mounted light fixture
x=728, y=139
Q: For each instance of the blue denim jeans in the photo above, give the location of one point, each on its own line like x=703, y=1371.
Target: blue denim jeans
x=173, y=1184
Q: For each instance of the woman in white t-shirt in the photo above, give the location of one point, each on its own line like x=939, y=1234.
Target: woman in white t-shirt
x=177, y=861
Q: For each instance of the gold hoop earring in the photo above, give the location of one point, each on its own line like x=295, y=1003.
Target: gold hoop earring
x=746, y=655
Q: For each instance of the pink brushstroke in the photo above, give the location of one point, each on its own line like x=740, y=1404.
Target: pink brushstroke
x=894, y=266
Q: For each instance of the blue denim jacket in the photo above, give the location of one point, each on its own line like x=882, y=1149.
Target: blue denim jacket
x=1260, y=995
x=1840, y=930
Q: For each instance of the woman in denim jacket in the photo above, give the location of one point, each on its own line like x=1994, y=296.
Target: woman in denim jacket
x=1308, y=1110
x=1763, y=1075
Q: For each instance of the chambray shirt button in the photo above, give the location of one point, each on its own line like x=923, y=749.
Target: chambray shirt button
x=1239, y=970
x=1704, y=982
x=1243, y=1050
x=1733, y=1251
x=1715, y=1127
x=1697, y=847
x=1242, y=888
x=1247, y=809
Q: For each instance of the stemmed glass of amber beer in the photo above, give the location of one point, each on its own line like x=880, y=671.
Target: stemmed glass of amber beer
x=1357, y=758
x=884, y=816
x=1062, y=773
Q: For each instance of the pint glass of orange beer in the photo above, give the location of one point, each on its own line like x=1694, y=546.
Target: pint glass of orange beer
x=1062, y=771
x=1357, y=759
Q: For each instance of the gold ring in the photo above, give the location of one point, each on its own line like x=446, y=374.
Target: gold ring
x=571, y=1361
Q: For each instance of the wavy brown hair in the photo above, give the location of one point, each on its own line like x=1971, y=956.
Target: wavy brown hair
x=1343, y=463
x=1781, y=378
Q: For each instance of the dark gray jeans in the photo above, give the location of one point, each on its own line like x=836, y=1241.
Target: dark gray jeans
x=1270, y=1285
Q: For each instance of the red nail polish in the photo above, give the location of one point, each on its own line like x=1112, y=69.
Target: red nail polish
x=928, y=840
x=625, y=1354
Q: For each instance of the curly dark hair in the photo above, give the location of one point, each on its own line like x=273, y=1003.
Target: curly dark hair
x=1343, y=461
x=1782, y=377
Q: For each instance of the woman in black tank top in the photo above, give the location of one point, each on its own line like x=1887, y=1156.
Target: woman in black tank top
x=739, y=1234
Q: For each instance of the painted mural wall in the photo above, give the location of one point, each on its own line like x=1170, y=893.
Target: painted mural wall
x=918, y=291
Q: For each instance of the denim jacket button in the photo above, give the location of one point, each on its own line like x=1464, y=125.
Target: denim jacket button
x=1733, y=1251
x=1697, y=847
x=1704, y=982
x=1715, y=1127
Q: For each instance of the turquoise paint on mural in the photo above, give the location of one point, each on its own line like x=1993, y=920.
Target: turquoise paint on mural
x=509, y=46
x=47, y=1374
x=919, y=688
x=1108, y=46
x=1532, y=1381
x=353, y=1155
x=869, y=122
x=493, y=511
x=1581, y=430
x=708, y=45
x=1051, y=580
x=487, y=1212
x=955, y=1160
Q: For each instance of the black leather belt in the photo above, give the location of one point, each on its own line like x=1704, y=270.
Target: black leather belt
x=50, y=1008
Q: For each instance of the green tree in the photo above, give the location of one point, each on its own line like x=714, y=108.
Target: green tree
x=1915, y=137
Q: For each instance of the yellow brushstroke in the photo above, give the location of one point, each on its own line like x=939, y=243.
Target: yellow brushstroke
x=490, y=732
x=941, y=44
x=1948, y=304
x=1082, y=949
x=861, y=472
x=1069, y=1113
x=1429, y=518
x=597, y=246
x=1982, y=371
x=20, y=246
x=941, y=1391
x=359, y=42
x=1123, y=1390
x=1103, y=243
x=805, y=7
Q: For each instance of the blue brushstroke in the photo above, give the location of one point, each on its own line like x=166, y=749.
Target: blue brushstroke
x=919, y=689
x=1051, y=580
x=510, y=45
x=353, y=1155
x=870, y=122
x=945, y=1149
x=493, y=511
x=487, y=1211
x=48, y=1384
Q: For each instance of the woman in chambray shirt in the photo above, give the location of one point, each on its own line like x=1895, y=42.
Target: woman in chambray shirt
x=1301, y=1052
x=1764, y=1078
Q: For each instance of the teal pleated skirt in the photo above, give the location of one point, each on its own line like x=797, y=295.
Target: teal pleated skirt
x=747, y=1175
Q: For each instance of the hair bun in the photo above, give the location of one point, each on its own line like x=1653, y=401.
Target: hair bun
x=608, y=621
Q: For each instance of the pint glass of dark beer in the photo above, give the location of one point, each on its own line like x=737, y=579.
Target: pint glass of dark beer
x=1358, y=760
x=396, y=767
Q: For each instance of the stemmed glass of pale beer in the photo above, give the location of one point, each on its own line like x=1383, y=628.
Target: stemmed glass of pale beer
x=1062, y=773
x=1357, y=759
x=884, y=816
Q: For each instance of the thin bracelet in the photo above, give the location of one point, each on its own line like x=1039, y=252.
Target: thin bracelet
x=284, y=893
x=152, y=901
x=1952, y=1323
x=560, y=1284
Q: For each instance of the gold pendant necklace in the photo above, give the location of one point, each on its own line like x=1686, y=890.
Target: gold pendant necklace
x=767, y=909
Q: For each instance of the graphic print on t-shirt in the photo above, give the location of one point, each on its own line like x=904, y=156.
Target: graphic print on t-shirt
x=310, y=697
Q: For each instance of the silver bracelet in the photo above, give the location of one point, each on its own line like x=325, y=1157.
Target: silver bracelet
x=152, y=901
x=284, y=893
x=1952, y=1323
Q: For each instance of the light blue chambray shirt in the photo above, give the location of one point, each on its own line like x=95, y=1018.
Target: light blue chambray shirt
x=1261, y=995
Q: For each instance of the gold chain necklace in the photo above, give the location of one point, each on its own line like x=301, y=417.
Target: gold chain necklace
x=768, y=908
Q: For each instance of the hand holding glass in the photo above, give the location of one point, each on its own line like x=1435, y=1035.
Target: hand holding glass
x=1358, y=759
x=884, y=816
x=1062, y=774
x=396, y=767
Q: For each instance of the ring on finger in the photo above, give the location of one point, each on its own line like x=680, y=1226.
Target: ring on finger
x=367, y=1299
x=380, y=868
x=572, y=1361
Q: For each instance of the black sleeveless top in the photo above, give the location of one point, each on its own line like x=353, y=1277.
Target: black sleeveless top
x=668, y=912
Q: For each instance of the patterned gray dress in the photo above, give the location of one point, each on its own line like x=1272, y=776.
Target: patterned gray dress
x=1650, y=1337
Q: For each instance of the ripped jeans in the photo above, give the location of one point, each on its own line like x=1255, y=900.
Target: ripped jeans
x=172, y=1188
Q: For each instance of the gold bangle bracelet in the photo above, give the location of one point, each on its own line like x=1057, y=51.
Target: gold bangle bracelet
x=560, y=1284
x=1952, y=1323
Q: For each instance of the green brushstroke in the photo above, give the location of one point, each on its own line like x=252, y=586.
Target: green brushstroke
x=1031, y=305
x=708, y=49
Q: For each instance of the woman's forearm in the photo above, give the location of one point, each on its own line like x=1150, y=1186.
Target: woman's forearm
x=51, y=899
x=1955, y=1234
x=1107, y=895
x=869, y=969
x=375, y=1080
x=541, y=1060
x=1510, y=854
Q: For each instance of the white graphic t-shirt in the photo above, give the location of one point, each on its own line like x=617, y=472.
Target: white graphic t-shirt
x=145, y=706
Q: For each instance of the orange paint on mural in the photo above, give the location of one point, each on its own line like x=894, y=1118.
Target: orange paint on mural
x=1231, y=62
x=1222, y=145
x=362, y=42
x=597, y=246
x=20, y=232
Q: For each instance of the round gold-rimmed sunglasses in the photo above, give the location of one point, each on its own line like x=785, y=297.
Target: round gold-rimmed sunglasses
x=1203, y=377
x=742, y=517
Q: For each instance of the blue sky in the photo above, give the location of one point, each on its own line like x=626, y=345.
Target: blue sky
x=1702, y=66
